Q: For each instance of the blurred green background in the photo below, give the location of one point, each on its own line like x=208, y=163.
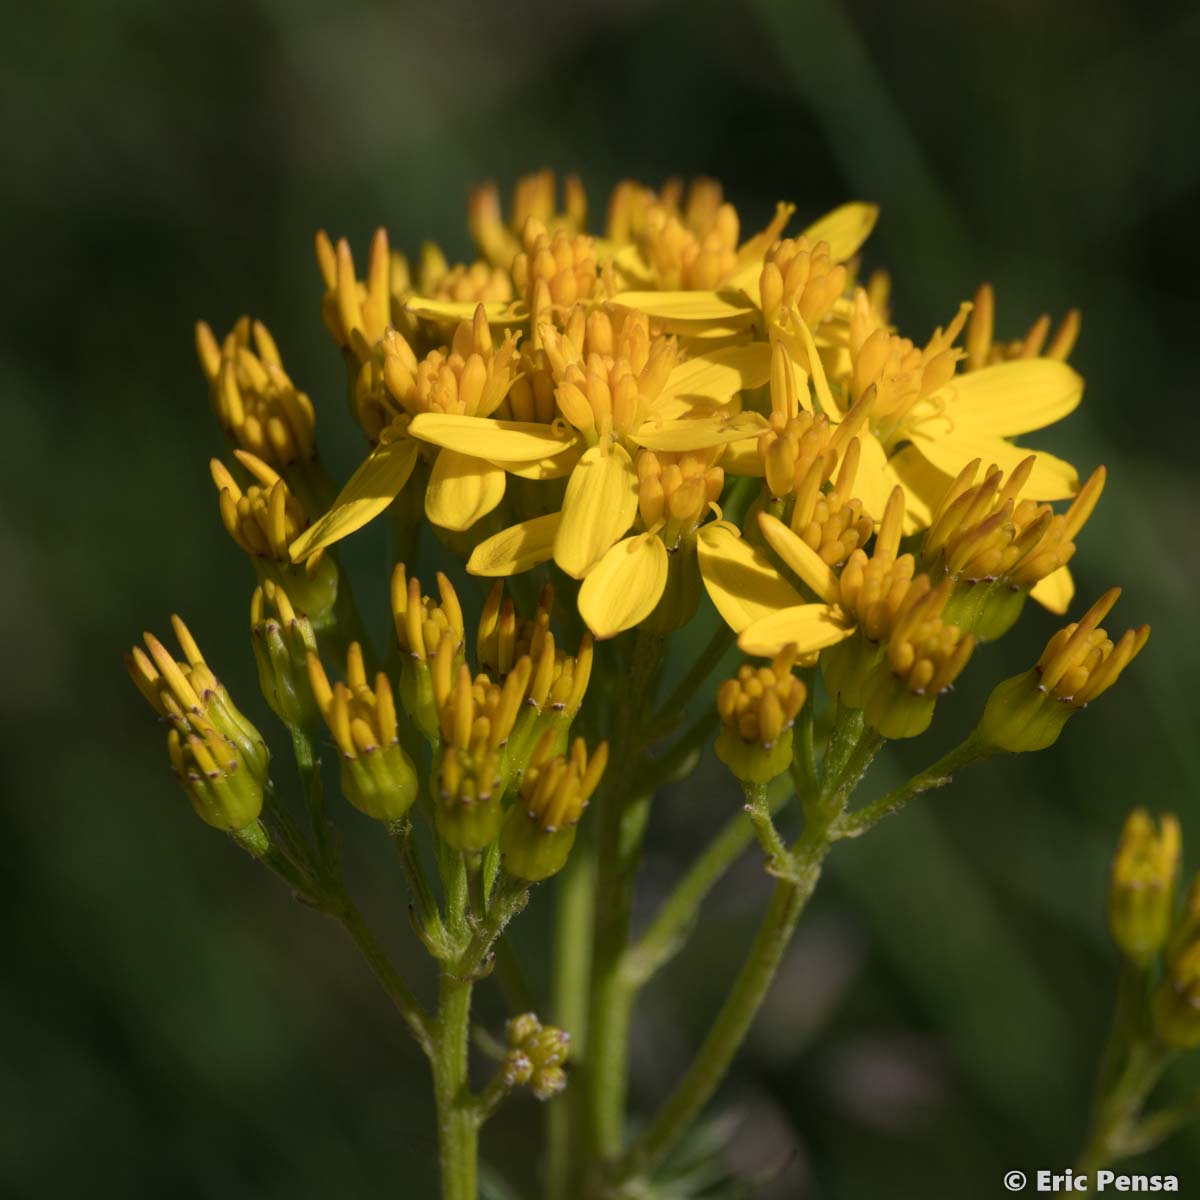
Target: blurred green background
x=172, y=1023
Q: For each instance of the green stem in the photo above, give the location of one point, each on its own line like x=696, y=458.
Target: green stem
x=426, y=916
x=309, y=767
x=856, y=823
x=511, y=897
x=575, y=913
x=1114, y=1132
x=670, y=927
x=457, y=1117
x=406, y=1003
x=759, y=811
x=681, y=759
x=624, y=809
x=693, y=1092
x=672, y=708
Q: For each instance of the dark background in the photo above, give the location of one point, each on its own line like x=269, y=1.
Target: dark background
x=171, y=1022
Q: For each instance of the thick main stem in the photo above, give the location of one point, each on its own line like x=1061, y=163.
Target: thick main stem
x=575, y=904
x=624, y=810
x=458, y=1128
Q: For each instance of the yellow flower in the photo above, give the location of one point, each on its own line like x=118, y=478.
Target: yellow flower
x=1080, y=662
x=539, y=828
x=1142, y=884
x=982, y=349
x=476, y=717
x=378, y=778
x=926, y=420
x=255, y=402
x=609, y=374
x=998, y=547
x=193, y=700
x=358, y=312
x=264, y=519
x=903, y=654
x=699, y=290
x=757, y=709
x=466, y=382
x=463, y=283
x=534, y=196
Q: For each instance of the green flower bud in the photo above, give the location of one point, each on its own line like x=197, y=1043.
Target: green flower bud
x=467, y=810
x=1175, y=1005
x=378, y=778
x=475, y=719
x=536, y=1055
x=757, y=709
x=282, y=641
x=1141, y=896
x=425, y=629
x=1028, y=712
x=539, y=828
x=265, y=519
x=223, y=790
x=191, y=697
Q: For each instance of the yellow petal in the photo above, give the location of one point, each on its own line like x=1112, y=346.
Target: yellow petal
x=600, y=505
x=624, y=586
x=486, y=437
x=800, y=345
x=720, y=374
x=450, y=312
x=740, y=579
x=688, y=306
x=845, y=229
x=698, y=433
x=1052, y=478
x=554, y=467
x=808, y=627
x=367, y=493
x=753, y=250
x=1013, y=397
x=924, y=486
x=874, y=481
x=1056, y=591
x=462, y=489
x=798, y=555
x=517, y=548
x=741, y=458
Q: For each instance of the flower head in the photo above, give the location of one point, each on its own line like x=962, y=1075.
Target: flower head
x=998, y=547
x=265, y=518
x=539, y=828
x=282, y=641
x=1141, y=893
x=255, y=402
x=378, y=777
x=1080, y=662
x=757, y=709
x=476, y=717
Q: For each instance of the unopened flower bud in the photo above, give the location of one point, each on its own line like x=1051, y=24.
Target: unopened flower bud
x=1175, y=1005
x=424, y=628
x=378, y=778
x=221, y=786
x=536, y=1055
x=282, y=640
x=192, y=698
x=264, y=520
x=476, y=718
x=1141, y=895
x=539, y=828
x=1028, y=712
x=757, y=709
